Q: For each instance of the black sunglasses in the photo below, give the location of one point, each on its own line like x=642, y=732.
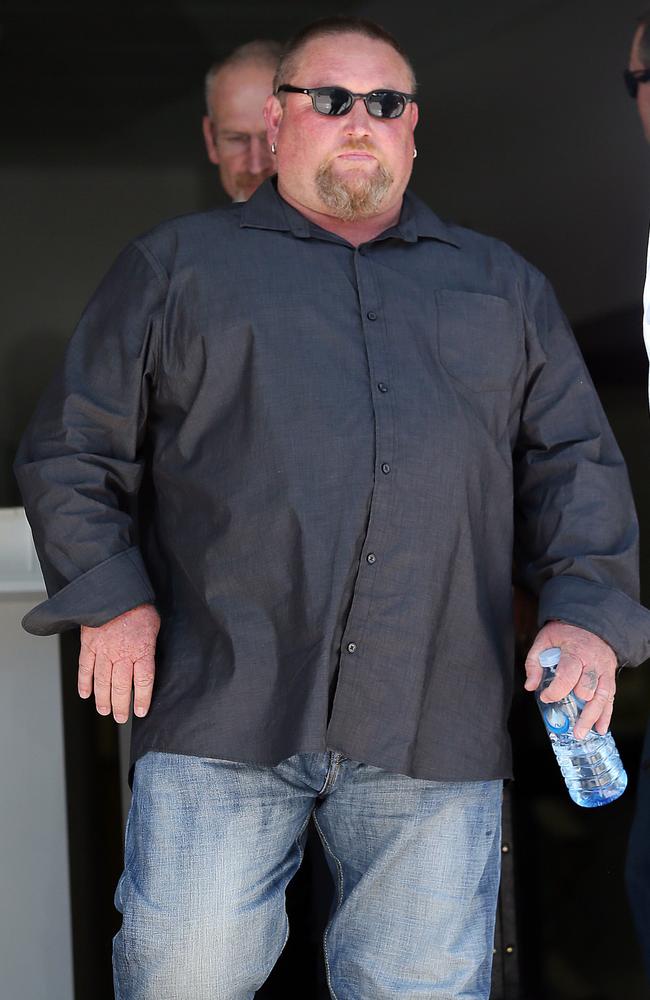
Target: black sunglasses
x=339, y=101
x=633, y=78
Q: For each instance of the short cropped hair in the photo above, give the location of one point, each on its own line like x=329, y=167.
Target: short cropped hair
x=644, y=39
x=263, y=51
x=329, y=27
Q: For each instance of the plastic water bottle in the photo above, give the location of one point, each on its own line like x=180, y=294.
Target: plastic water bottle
x=591, y=767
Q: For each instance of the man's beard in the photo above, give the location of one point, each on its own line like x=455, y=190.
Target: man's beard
x=352, y=198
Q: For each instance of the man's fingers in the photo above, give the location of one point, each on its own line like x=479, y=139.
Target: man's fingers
x=567, y=672
x=533, y=673
x=590, y=684
x=587, y=666
x=108, y=655
x=566, y=677
x=102, y=675
x=602, y=724
x=121, y=684
x=531, y=666
x=597, y=712
x=143, y=677
x=86, y=670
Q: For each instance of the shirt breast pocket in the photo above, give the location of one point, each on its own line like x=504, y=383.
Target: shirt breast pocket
x=479, y=343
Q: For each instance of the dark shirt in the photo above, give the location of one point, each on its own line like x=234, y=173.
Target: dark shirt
x=317, y=460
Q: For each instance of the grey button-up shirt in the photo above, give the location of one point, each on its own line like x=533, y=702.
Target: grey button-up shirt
x=319, y=462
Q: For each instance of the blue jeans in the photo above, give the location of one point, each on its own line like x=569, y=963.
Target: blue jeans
x=211, y=846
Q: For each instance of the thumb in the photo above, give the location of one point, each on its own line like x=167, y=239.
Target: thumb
x=534, y=672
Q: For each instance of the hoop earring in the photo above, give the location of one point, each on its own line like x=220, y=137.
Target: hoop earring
x=415, y=152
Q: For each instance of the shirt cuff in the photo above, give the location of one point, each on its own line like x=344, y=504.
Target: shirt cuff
x=610, y=614
x=94, y=598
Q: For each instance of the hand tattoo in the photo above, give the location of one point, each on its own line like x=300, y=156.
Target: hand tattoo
x=590, y=679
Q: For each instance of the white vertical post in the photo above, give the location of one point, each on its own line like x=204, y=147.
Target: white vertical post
x=35, y=911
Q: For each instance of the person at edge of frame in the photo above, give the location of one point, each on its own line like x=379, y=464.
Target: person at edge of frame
x=279, y=485
x=637, y=864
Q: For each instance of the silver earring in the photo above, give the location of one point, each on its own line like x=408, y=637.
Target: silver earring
x=274, y=148
x=415, y=152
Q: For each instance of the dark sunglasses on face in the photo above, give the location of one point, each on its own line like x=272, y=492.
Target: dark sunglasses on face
x=339, y=101
x=633, y=78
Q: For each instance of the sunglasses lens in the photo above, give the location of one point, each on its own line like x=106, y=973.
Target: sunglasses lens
x=338, y=101
x=385, y=104
x=332, y=100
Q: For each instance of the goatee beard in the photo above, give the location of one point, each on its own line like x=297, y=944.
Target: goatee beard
x=351, y=199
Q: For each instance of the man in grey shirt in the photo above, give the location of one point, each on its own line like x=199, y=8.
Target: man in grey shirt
x=292, y=449
x=637, y=871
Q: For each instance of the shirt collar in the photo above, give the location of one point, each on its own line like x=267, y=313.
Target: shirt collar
x=265, y=209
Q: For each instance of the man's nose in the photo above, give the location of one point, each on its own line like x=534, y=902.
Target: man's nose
x=259, y=154
x=357, y=120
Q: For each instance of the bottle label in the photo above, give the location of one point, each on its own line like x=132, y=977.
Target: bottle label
x=560, y=716
x=555, y=719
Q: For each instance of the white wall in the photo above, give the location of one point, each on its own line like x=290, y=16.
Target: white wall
x=35, y=913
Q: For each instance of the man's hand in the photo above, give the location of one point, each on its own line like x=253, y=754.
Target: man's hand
x=117, y=656
x=587, y=665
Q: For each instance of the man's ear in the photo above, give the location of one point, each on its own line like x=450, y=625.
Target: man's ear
x=208, y=136
x=273, y=112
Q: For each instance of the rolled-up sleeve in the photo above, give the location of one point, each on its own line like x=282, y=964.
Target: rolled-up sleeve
x=81, y=460
x=576, y=530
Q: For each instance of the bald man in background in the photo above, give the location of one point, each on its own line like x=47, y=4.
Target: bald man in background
x=233, y=126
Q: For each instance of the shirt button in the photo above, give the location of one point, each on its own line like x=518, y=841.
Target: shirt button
x=385, y=468
x=371, y=557
x=382, y=386
x=371, y=315
x=352, y=647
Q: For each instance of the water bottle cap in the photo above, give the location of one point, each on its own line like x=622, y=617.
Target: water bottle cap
x=550, y=657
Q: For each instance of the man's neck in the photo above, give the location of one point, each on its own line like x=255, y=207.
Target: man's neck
x=356, y=232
